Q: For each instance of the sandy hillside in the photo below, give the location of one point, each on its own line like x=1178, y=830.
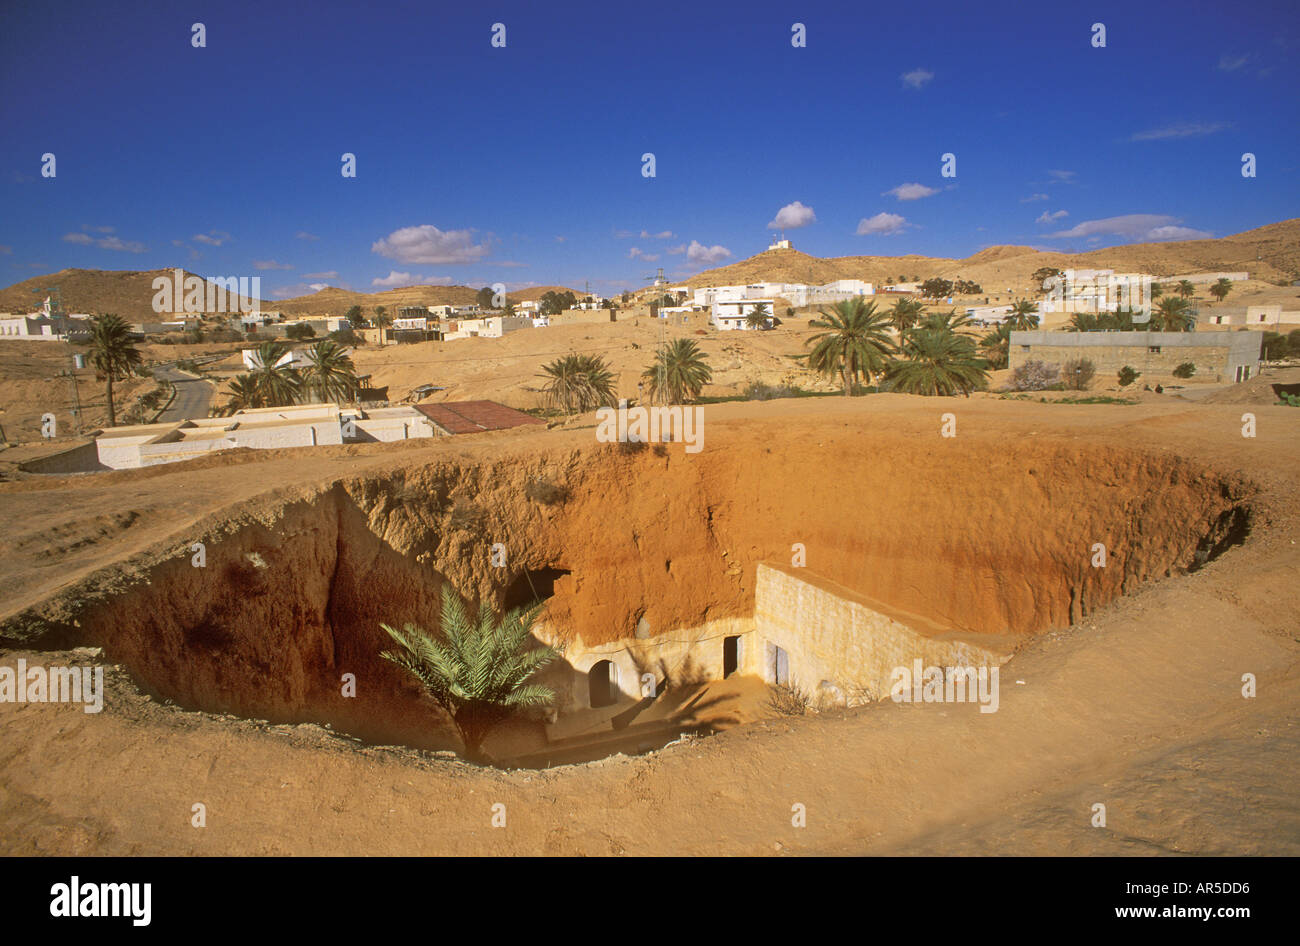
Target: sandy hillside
x=1136, y=705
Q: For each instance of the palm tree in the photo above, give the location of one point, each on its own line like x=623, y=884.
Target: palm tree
x=758, y=316
x=113, y=355
x=679, y=373
x=478, y=673
x=1085, y=322
x=578, y=383
x=243, y=394
x=1023, y=315
x=905, y=314
x=856, y=343
x=948, y=321
x=1157, y=291
x=938, y=363
x=382, y=321
x=1174, y=315
x=1221, y=289
x=1185, y=288
x=997, y=345
x=276, y=383
x=329, y=374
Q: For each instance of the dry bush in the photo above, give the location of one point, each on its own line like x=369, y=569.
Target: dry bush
x=789, y=700
x=1035, y=376
x=1077, y=373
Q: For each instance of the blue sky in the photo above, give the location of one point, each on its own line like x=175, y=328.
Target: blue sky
x=523, y=165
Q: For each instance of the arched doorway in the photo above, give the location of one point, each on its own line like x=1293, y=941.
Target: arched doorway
x=602, y=683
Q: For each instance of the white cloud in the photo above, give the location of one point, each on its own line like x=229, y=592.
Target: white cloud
x=270, y=264
x=1135, y=227
x=917, y=78
x=1065, y=177
x=792, y=217
x=395, y=280
x=304, y=235
x=560, y=239
x=881, y=223
x=428, y=244
x=98, y=229
x=911, y=191
x=661, y=235
x=1033, y=197
x=638, y=253
x=1232, y=63
x=676, y=250
x=212, y=237
x=1181, y=130
x=1046, y=217
x=330, y=274
x=105, y=243
x=700, y=255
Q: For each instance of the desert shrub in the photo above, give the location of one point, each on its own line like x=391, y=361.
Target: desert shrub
x=1185, y=370
x=1127, y=376
x=789, y=700
x=758, y=391
x=1289, y=400
x=1035, y=376
x=466, y=516
x=300, y=332
x=545, y=492
x=1078, y=373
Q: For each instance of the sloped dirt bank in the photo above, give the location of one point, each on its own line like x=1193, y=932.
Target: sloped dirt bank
x=992, y=539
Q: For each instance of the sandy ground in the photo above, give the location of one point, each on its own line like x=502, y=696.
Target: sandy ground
x=1138, y=708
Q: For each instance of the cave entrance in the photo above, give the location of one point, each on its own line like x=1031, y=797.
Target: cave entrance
x=531, y=587
x=732, y=653
x=602, y=684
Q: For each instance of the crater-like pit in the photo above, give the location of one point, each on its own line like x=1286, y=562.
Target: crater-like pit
x=662, y=573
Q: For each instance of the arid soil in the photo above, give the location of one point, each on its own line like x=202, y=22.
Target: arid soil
x=1126, y=689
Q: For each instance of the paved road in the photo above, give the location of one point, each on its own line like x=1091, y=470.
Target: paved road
x=193, y=395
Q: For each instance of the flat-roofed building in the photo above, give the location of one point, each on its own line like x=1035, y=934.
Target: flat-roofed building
x=1217, y=356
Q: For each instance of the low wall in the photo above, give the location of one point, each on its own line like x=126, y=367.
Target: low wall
x=83, y=458
x=1216, y=355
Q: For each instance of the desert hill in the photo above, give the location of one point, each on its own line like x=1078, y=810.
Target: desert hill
x=130, y=295
x=1269, y=253
x=96, y=291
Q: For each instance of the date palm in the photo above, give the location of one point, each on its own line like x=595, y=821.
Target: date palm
x=1023, y=316
x=113, y=355
x=938, y=363
x=478, y=671
x=680, y=371
x=242, y=394
x=905, y=314
x=329, y=373
x=997, y=346
x=578, y=383
x=758, y=316
x=276, y=382
x=1173, y=315
x=1186, y=289
x=856, y=342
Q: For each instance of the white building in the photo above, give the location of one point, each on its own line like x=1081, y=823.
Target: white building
x=731, y=316
x=41, y=328
x=267, y=428
x=492, y=326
